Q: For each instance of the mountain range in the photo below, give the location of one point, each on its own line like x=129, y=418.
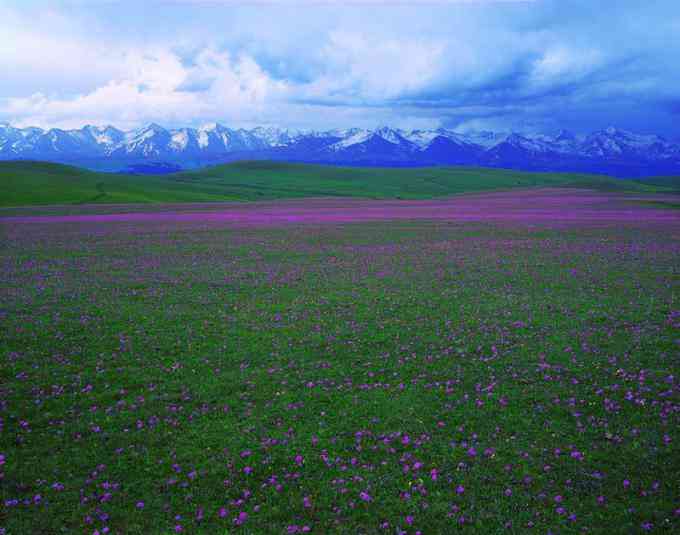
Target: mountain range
x=154, y=149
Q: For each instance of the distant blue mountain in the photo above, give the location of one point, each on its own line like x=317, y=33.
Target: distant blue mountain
x=152, y=168
x=442, y=149
x=154, y=149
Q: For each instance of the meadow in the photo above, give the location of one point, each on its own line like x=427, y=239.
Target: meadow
x=493, y=363
x=25, y=183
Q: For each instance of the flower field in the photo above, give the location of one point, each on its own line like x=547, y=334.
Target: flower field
x=504, y=362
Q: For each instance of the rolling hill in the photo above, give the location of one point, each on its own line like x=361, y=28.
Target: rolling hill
x=24, y=183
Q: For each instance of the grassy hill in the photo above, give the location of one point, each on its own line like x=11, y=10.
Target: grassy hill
x=668, y=182
x=25, y=183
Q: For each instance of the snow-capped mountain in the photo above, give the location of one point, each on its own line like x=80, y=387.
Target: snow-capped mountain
x=383, y=145
x=349, y=138
x=103, y=137
x=614, y=143
x=151, y=141
x=518, y=148
x=449, y=147
x=565, y=142
x=485, y=138
x=610, y=151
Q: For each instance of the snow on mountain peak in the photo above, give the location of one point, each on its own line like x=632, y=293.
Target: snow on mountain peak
x=180, y=139
x=354, y=137
x=212, y=127
x=486, y=138
x=154, y=127
x=422, y=138
x=389, y=134
x=383, y=144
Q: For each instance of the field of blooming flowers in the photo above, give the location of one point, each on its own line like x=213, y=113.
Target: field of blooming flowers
x=497, y=363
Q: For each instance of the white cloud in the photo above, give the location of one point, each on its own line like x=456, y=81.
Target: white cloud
x=561, y=64
x=137, y=84
x=374, y=68
x=342, y=2
x=332, y=65
x=150, y=88
x=49, y=49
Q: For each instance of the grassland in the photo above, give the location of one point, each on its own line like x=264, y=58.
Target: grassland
x=39, y=183
x=189, y=376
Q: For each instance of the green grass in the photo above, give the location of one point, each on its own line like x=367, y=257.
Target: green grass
x=142, y=364
x=670, y=182
x=24, y=183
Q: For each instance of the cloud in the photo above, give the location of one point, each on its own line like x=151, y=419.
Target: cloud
x=524, y=65
x=338, y=2
x=361, y=67
x=48, y=49
x=155, y=86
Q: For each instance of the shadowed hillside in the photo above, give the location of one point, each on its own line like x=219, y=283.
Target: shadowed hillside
x=38, y=183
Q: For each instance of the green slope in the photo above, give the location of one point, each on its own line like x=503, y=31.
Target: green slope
x=25, y=183
x=669, y=182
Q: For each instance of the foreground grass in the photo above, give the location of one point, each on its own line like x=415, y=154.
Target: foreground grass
x=366, y=378
x=40, y=183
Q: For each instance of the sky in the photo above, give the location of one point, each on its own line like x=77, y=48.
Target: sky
x=528, y=66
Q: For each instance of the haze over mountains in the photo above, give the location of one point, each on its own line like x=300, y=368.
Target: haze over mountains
x=156, y=149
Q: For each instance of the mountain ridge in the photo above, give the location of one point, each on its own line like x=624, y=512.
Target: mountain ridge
x=608, y=151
